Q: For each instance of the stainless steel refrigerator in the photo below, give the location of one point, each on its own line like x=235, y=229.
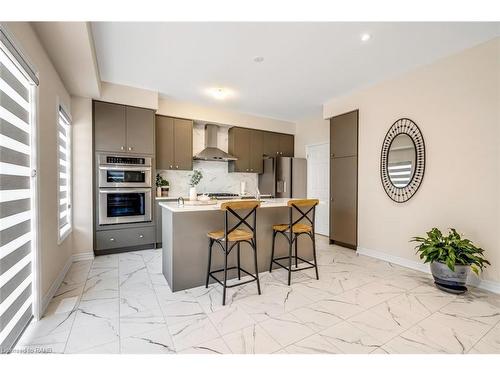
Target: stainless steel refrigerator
x=284, y=177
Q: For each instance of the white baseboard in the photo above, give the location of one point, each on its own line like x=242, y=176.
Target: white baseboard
x=491, y=286
x=55, y=285
x=89, y=255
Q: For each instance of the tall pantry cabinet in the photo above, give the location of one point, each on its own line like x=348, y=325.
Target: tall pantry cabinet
x=344, y=179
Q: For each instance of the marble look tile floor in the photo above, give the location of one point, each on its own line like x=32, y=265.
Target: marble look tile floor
x=121, y=304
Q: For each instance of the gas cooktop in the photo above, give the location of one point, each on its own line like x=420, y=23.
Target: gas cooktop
x=224, y=196
x=220, y=195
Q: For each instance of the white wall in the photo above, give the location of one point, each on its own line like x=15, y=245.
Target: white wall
x=176, y=108
x=456, y=104
x=50, y=92
x=81, y=111
x=309, y=131
x=111, y=92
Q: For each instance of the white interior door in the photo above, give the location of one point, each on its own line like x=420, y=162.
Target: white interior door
x=318, y=177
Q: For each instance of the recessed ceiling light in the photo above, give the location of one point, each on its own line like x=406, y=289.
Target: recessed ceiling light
x=365, y=37
x=258, y=59
x=220, y=93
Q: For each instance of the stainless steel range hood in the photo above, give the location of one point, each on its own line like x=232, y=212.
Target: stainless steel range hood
x=211, y=152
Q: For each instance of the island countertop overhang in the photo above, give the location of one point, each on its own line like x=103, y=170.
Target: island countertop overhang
x=265, y=203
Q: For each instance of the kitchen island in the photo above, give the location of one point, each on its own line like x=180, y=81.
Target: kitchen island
x=185, y=241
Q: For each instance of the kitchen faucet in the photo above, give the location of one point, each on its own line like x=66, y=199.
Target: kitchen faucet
x=257, y=194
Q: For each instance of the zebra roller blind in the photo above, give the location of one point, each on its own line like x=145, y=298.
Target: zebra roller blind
x=64, y=156
x=16, y=193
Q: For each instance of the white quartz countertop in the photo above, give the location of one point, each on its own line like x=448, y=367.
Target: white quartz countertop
x=265, y=203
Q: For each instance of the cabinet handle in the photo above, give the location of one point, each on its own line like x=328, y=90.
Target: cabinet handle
x=130, y=148
x=112, y=239
x=171, y=166
x=251, y=170
x=122, y=148
x=176, y=167
x=141, y=235
x=277, y=152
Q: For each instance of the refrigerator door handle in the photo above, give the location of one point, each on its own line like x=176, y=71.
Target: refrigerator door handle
x=280, y=186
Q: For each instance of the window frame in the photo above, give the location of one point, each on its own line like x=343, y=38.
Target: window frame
x=62, y=111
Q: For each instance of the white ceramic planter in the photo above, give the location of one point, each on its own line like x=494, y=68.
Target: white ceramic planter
x=192, y=194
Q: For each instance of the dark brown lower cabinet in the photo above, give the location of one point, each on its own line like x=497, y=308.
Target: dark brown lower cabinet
x=343, y=212
x=344, y=179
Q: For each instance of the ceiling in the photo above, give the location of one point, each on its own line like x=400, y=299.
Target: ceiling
x=304, y=64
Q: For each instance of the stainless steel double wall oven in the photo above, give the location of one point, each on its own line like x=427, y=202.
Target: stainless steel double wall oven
x=125, y=189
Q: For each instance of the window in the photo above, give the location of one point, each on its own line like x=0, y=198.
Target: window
x=17, y=186
x=64, y=180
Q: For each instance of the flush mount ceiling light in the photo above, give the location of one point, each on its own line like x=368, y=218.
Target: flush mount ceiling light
x=258, y=59
x=365, y=37
x=220, y=93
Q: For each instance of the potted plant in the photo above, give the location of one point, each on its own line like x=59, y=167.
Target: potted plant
x=450, y=257
x=195, y=180
x=162, y=186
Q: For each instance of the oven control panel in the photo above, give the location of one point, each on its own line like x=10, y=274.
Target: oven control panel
x=124, y=160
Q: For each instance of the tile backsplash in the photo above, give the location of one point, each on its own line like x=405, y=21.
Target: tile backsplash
x=215, y=174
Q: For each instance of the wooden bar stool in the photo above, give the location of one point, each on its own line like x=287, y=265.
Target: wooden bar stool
x=230, y=237
x=306, y=211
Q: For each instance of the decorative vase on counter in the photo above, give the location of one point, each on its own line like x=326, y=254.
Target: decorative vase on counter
x=158, y=191
x=192, y=193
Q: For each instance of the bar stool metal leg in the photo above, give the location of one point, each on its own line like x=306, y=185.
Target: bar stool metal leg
x=254, y=246
x=296, y=256
x=210, y=244
x=272, y=252
x=224, y=286
x=314, y=254
x=290, y=240
x=239, y=266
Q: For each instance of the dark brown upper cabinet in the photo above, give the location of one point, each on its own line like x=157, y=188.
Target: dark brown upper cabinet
x=119, y=128
x=286, y=145
x=277, y=144
x=110, y=127
x=344, y=135
x=174, y=143
x=272, y=144
x=256, y=151
x=251, y=146
x=140, y=130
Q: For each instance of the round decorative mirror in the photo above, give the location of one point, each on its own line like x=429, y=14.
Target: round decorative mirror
x=402, y=162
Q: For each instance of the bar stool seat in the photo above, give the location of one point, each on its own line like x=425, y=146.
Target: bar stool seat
x=297, y=228
x=235, y=235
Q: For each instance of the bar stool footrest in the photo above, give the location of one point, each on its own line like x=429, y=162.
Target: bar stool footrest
x=253, y=277
x=311, y=265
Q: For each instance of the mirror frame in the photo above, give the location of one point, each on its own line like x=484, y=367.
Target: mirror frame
x=408, y=127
